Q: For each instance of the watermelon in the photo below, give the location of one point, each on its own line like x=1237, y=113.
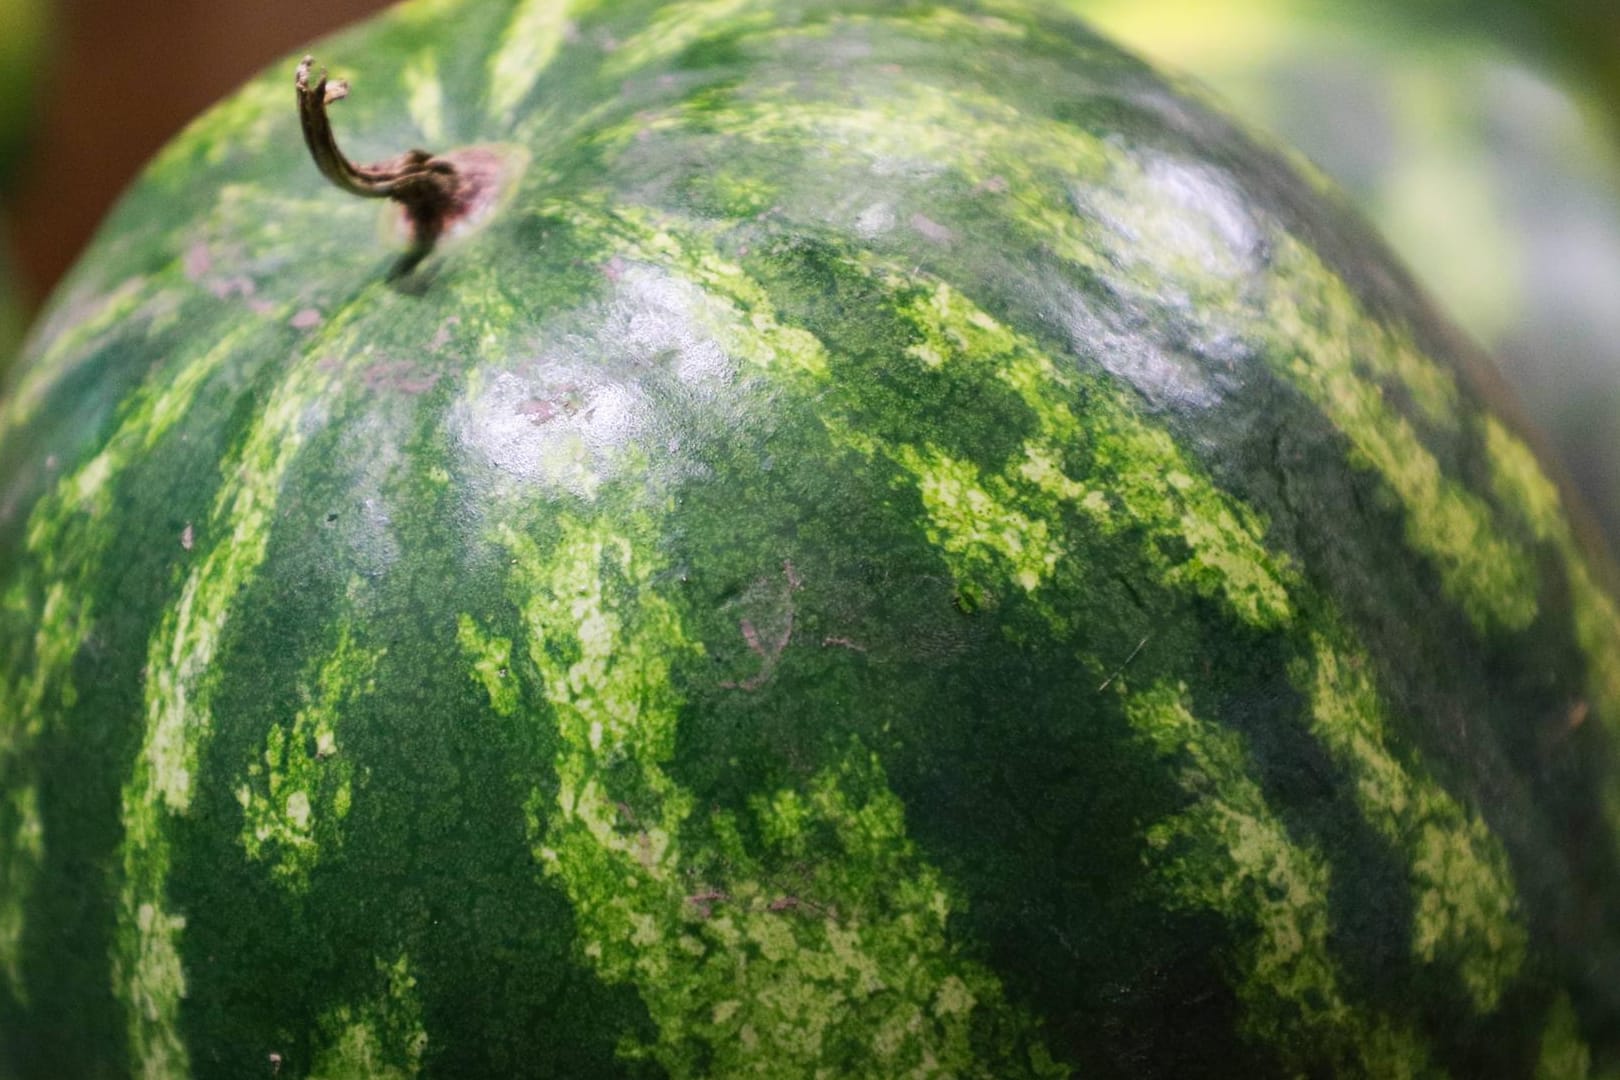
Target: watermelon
x=833, y=538
x=1492, y=176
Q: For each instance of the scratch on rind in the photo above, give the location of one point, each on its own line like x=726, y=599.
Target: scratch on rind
x=1127, y=663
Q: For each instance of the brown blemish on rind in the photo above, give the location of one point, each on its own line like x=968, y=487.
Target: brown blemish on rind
x=769, y=649
x=401, y=376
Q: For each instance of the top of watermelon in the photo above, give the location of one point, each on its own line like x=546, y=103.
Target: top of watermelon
x=895, y=542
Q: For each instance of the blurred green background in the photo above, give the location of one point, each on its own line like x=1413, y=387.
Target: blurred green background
x=1481, y=136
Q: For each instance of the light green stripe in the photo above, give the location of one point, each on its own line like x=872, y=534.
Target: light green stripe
x=1126, y=474
x=917, y=128
x=745, y=967
x=1137, y=476
x=1174, y=236
x=1564, y=1055
x=381, y=1038
x=1229, y=853
x=147, y=974
x=1461, y=882
x=530, y=41
x=240, y=125
x=1467, y=910
x=1153, y=241
x=1326, y=345
x=1318, y=338
x=293, y=797
x=424, y=95
x=73, y=331
x=979, y=532
x=491, y=659
x=434, y=13
x=676, y=27
x=22, y=848
x=1526, y=491
x=68, y=538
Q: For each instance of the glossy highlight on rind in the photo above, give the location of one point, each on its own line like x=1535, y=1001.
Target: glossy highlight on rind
x=858, y=563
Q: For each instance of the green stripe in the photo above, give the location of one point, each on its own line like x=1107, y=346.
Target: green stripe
x=70, y=535
x=1123, y=473
x=673, y=28
x=491, y=659
x=424, y=95
x=533, y=34
x=1152, y=242
x=1466, y=907
x=746, y=966
x=1460, y=877
x=381, y=1038
x=915, y=126
x=22, y=849
x=1564, y=1055
x=1527, y=492
x=1228, y=852
x=1323, y=343
x=241, y=125
x=147, y=972
x=1138, y=477
x=294, y=797
x=74, y=330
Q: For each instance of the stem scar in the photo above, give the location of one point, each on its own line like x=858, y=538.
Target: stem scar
x=429, y=188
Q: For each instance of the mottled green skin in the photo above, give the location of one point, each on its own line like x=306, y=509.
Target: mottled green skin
x=901, y=547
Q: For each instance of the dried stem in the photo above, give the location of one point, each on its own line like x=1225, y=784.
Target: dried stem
x=427, y=187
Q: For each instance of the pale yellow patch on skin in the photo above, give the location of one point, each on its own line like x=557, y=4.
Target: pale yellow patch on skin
x=949, y=24
x=967, y=521
x=1520, y=484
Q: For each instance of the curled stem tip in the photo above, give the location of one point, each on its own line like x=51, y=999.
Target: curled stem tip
x=426, y=186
